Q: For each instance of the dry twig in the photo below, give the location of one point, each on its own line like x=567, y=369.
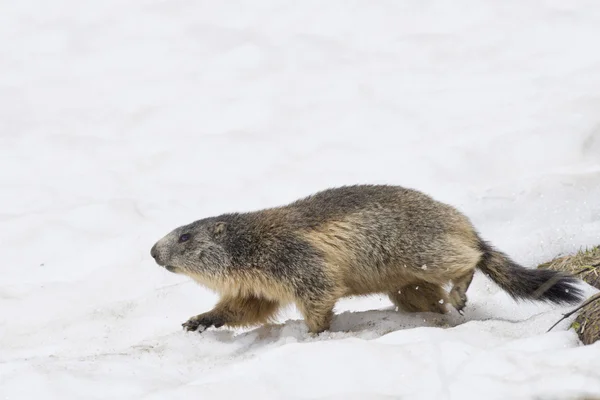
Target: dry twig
x=567, y=315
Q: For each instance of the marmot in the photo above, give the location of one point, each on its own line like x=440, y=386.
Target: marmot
x=345, y=241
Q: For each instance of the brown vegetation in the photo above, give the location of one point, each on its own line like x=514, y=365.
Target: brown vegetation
x=586, y=265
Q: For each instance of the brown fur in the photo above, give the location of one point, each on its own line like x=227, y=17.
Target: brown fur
x=355, y=240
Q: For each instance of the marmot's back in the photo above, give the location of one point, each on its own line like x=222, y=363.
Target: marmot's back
x=338, y=203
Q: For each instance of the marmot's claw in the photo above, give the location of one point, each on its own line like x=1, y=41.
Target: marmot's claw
x=190, y=325
x=203, y=323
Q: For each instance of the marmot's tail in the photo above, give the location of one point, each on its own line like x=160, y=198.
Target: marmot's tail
x=528, y=284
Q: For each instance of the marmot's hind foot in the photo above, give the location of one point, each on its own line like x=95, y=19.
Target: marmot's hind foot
x=458, y=294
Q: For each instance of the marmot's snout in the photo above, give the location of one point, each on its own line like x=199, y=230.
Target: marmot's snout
x=159, y=256
x=154, y=252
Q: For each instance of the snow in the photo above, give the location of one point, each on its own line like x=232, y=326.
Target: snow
x=120, y=120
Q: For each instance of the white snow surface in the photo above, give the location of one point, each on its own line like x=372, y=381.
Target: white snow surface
x=123, y=119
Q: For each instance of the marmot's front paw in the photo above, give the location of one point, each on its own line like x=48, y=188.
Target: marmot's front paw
x=203, y=321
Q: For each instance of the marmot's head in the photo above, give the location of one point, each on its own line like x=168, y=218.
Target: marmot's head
x=193, y=248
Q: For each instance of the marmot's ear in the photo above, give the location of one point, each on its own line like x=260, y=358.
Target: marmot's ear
x=219, y=229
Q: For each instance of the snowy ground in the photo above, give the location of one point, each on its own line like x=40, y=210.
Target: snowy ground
x=122, y=119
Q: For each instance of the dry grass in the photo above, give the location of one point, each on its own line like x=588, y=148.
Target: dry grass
x=586, y=265
x=587, y=323
x=582, y=263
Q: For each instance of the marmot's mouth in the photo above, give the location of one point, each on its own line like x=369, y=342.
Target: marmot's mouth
x=170, y=268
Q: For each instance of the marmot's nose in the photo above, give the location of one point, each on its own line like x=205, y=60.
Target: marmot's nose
x=153, y=252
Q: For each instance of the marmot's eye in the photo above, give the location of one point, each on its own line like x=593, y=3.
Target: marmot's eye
x=184, y=238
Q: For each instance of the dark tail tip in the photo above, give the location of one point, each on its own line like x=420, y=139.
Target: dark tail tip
x=551, y=286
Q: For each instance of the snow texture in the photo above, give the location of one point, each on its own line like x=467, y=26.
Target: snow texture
x=122, y=119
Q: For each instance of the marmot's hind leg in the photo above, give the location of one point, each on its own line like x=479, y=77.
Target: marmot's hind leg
x=458, y=293
x=235, y=312
x=420, y=297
